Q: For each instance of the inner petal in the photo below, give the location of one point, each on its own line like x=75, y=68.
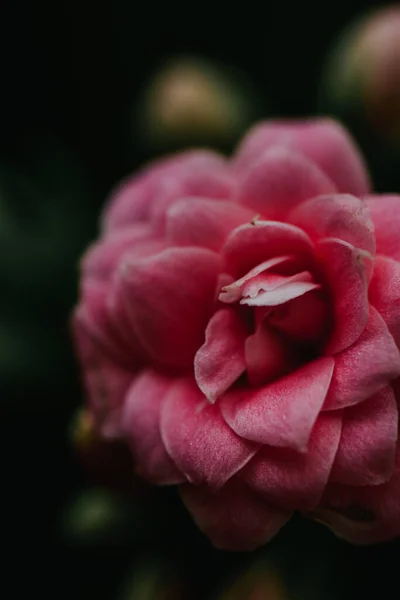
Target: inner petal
x=273, y=290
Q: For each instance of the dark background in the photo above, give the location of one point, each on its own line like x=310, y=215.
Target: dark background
x=70, y=75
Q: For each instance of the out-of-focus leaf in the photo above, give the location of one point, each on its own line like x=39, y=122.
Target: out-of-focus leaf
x=156, y=580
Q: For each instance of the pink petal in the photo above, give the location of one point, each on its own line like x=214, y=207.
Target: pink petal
x=273, y=290
x=204, y=222
x=169, y=298
x=384, y=293
x=278, y=180
x=281, y=413
x=249, y=245
x=336, y=216
x=364, y=368
x=197, y=438
x=267, y=356
x=367, y=447
x=235, y=518
x=304, y=319
x=220, y=360
x=385, y=215
x=141, y=423
x=324, y=141
x=295, y=480
x=345, y=274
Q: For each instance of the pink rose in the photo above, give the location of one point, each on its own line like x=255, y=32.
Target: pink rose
x=239, y=324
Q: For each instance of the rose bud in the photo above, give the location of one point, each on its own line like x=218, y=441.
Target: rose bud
x=239, y=326
x=363, y=73
x=194, y=101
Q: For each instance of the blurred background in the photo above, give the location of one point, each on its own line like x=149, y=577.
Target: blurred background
x=89, y=93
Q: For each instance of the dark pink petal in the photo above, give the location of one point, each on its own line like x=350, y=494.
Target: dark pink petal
x=296, y=480
x=197, y=438
x=273, y=290
x=141, y=423
x=234, y=518
x=384, y=293
x=363, y=514
x=169, y=298
x=267, y=356
x=324, y=141
x=336, y=216
x=220, y=360
x=367, y=447
x=279, y=180
x=345, y=274
x=304, y=319
x=104, y=381
x=281, y=413
x=366, y=367
x=249, y=245
x=385, y=215
x=204, y=222
x=102, y=258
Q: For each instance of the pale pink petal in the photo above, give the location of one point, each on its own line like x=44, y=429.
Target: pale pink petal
x=367, y=447
x=220, y=360
x=384, y=293
x=197, y=438
x=366, y=367
x=273, y=290
x=385, y=215
x=324, y=141
x=169, y=298
x=204, y=222
x=304, y=319
x=249, y=245
x=345, y=275
x=234, y=518
x=267, y=356
x=296, y=480
x=141, y=424
x=336, y=216
x=281, y=413
x=278, y=180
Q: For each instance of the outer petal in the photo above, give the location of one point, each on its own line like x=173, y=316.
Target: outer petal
x=385, y=215
x=141, y=423
x=204, y=222
x=220, y=361
x=292, y=479
x=249, y=245
x=345, y=274
x=279, y=180
x=338, y=216
x=366, y=453
x=169, y=298
x=364, y=368
x=235, y=518
x=197, y=438
x=324, y=141
x=384, y=293
x=281, y=413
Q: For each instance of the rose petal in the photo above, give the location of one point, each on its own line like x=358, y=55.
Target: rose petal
x=267, y=357
x=141, y=423
x=281, y=413
x=235, y=518
x=384, y=293
x=197, y=438
x=273, y=290
x=169, y=298
x=249, y=245
x=367, y=447
x=304, y=319
x=220, y=360
x=345, y=274
x=364, y=368
x=385, y=215
x=204, y=222
x=279, y=180
x=336, y=216
x=295, y=480
x=324, y=141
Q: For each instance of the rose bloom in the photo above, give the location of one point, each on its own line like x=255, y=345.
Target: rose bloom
x=238, y=325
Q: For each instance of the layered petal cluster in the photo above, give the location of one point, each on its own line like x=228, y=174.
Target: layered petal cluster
x=239, y=327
